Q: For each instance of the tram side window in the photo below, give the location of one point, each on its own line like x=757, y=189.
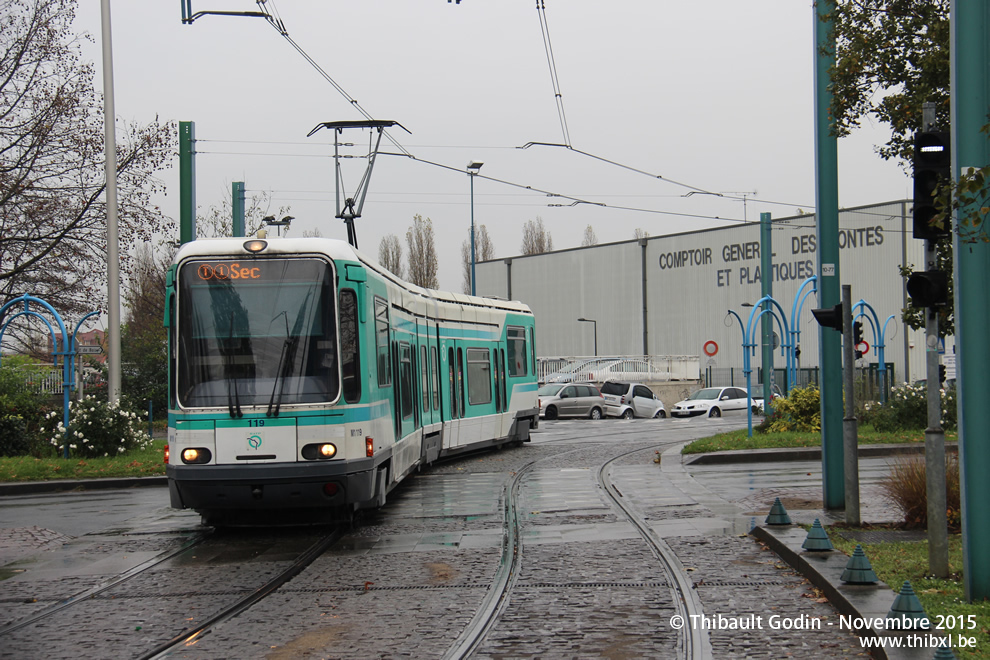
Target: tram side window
x=436, y=378
x=516, y=345
x=350, y=354
x=424, y=378
x=479, y=380
x=405, y=380
x=381, y=342
x=460, y=382
x=453, y=383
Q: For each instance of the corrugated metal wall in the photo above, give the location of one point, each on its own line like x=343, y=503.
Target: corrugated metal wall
x=694, y=278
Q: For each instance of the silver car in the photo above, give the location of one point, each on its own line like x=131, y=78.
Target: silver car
x=571, y=400
x=628, y=400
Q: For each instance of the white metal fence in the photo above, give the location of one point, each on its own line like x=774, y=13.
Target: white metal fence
x=652, y=368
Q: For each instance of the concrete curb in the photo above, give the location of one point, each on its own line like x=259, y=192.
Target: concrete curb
x=823, y=569
x=803, y=453
x=65, y=485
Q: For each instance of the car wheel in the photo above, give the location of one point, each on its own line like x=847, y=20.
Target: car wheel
x=714, y=412
x=660, y=414
x=551, y=413
x=628, y=414
x=596, y=413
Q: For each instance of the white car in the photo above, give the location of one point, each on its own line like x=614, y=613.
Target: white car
x=714, y=402
x=628, y=400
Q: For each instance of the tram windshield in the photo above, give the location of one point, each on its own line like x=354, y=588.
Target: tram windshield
x=258, y=332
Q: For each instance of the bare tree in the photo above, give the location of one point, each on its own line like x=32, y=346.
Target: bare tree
x=484, y=250
x=422, y=253
x=640, y=234
x=536, y=239
x=53, y=238
x=589, y=237
x=218, y=221
x=390, y=254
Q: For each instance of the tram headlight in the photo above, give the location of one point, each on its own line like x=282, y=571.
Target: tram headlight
x=319, y=451
x=255, y=245
x=196, y=455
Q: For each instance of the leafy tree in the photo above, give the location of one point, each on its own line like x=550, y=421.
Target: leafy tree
x=891, y=57
x=422, y=253
x=390, y=254
x=589, y=237
x=484, y=250
x=536, y=239
x=52, y=212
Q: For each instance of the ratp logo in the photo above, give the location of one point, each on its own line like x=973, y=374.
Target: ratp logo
x=254, y=441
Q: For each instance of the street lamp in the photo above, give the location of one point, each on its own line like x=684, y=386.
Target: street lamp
x=596, y=331
x=472, y=170
x=272, y=222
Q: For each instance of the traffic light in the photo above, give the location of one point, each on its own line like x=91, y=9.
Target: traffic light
x=932, y=166
x=928, y=288
x=830, y=317
x=857, y=338
x=941, y=374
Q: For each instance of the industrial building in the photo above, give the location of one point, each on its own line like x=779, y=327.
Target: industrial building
x=671, y=295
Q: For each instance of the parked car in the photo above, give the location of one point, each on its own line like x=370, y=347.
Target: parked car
x=714, y=402
x=775, y=394
x=628, y=400
x=571, y=400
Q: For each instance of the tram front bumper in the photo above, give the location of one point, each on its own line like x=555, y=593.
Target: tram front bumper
x=319, y=485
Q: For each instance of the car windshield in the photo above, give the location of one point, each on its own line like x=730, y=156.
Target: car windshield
x=707, y=393
x=549, y=390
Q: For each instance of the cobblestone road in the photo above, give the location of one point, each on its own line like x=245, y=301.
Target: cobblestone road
x=410, y=578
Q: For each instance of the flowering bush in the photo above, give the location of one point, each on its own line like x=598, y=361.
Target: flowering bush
x=97, y=428
x=907, y=409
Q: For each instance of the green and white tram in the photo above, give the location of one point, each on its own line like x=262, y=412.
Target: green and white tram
x=305, y=379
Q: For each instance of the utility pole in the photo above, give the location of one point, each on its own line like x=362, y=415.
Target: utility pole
x=827, y=234
x=970, y=70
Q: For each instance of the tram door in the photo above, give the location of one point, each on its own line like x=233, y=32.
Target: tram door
x=406, y=412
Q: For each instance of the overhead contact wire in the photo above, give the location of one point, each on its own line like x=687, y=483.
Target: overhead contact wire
x=551, y=63
x=280, y=27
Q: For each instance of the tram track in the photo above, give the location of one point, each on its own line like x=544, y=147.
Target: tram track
x=193, y=634
x=106, y=585
x=171, y=578
x=694, y=645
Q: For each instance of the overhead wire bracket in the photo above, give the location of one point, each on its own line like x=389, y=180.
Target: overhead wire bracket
x=350, y=209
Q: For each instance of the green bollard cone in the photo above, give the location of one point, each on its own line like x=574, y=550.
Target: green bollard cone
x=907, y=610
x=817, y=540
x=858, y=569
x=944, y=653
x=778, y=514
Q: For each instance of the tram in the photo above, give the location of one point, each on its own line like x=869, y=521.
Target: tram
x=307, y=381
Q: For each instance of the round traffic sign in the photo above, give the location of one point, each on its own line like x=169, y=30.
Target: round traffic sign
x=863, y=347
x=710, y=348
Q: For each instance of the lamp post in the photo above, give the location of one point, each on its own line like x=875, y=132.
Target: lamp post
x=584, y=320
x=272, y=222
x=472, y=170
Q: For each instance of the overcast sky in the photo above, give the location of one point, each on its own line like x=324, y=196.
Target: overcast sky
x=715, y=95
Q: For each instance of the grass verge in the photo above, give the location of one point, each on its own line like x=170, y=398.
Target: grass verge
x=896, y=562
x=741, y=440
x=138, y=463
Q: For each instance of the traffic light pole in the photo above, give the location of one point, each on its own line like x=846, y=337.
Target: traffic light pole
x=850, y=436
x=938, y=539
x=938, y=535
